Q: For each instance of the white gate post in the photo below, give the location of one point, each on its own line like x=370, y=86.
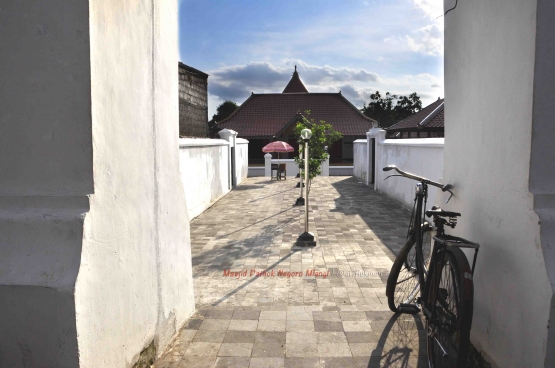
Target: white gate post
x=230, y=136
x=268, y=165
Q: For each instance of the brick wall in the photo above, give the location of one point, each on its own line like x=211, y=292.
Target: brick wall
x=193, y=102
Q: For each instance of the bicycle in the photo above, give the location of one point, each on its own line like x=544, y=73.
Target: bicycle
x=437, y=281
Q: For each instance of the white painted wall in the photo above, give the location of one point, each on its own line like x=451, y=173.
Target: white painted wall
x=419, y=156
x=46, y=161
x=256, y=171
x=204, y=172
x=360, y=160
x=135, y=280
x=242, y=159
x=95, y=253
x=499, y=97
x=205, y=166
x=290, y=166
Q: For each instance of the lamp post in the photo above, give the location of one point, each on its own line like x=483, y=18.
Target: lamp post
x=300, y=200
x=306, y=238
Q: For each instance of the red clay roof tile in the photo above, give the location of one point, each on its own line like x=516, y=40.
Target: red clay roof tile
x=265, y=115
x=435, y=121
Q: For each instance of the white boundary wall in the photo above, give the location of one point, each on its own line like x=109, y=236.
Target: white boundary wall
x=419, y=156
x=291, y=167
x=204, y=165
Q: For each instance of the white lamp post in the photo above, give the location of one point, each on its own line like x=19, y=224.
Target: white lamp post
x=300, y=200
x=306, y=238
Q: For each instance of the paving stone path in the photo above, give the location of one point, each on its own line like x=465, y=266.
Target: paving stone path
x=263, y=302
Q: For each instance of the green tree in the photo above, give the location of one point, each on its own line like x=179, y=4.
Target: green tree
x=222, y=112
x=323, y=135
x=390, y=109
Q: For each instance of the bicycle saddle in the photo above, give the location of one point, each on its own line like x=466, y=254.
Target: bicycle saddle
x=436, y=211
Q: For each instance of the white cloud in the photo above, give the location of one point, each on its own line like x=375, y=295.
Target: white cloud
x=237, y=82
x=431, y=8
x=427, y=40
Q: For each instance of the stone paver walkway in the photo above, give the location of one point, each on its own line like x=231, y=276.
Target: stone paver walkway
x=262, y=302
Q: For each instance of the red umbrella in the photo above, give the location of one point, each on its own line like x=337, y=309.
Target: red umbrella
x=277, y=146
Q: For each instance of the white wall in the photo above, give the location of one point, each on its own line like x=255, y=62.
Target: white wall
x=256, y=171
x=242, y=159
x=46, y=161
x=492, y=92
x=204, y=171
x=135, y=281
x=291, y=167
x=360, y=160
x=419, y=156
x=95, y=250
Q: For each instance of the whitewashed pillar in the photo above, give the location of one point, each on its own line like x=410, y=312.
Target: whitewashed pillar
x=369, y=157
x=95, y=253
x=379, y=135
x=268, y=165
x=230, y=136
x=326, y=167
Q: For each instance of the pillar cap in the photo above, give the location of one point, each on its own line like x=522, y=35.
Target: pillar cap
x=227, y=132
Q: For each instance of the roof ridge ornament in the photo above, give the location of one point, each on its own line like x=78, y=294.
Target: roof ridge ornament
x=295, y=84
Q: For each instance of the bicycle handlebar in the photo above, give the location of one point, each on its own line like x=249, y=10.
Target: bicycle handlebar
x=444, y=188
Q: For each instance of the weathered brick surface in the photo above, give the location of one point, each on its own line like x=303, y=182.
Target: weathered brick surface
x=193, y=104
x=306, y=321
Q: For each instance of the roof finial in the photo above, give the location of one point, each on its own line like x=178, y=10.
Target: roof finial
x=295, y=68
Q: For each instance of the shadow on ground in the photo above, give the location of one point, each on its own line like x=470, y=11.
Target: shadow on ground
x=387, y=219
x=402, y=341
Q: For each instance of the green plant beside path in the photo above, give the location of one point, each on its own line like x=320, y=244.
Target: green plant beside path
x=323, y=135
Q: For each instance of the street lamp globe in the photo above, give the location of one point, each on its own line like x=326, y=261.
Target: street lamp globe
x=306, y=134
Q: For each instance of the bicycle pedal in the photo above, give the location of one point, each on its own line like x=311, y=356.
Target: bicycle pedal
x=408, y=308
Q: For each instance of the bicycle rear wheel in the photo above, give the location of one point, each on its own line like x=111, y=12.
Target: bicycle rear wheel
x=403, y=286
x=449, y=300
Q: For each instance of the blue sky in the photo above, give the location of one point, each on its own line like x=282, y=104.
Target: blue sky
x=355, y=46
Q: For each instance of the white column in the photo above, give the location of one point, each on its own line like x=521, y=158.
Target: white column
x=379, y=135
x=268, y=165
x=369, y=157
x=326, y=167
x=230, y=136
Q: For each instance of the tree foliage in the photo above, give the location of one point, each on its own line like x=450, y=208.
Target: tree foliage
x=323, y=135
x=390, y=109
x=222, y=112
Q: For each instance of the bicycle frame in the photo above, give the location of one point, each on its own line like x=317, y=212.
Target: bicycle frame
x=421, y=200
x=448, y=276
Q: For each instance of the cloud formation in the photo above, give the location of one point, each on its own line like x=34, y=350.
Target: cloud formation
x=428, y=40
x=237, y=82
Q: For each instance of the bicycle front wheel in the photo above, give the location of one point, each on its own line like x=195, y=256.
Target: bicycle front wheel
x=449, y=299
x=403, y=285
